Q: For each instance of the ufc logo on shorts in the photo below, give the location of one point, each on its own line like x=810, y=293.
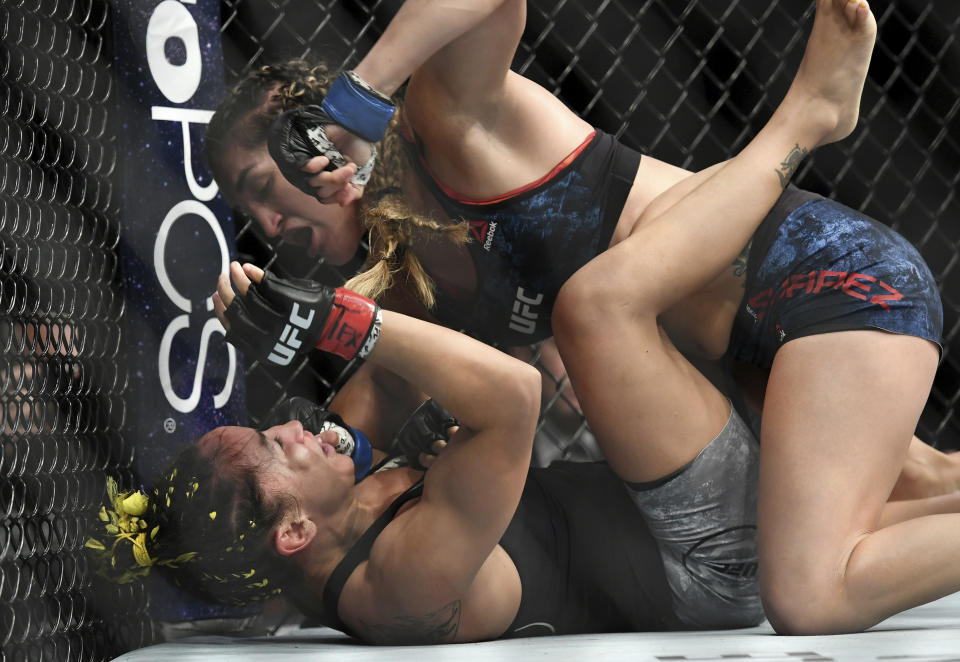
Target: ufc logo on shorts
x=286, y=347
x=524, y=319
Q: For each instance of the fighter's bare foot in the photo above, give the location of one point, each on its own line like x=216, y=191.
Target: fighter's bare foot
x=827, y=88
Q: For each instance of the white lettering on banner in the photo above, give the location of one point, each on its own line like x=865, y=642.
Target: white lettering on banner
x=185, y=116
x=180, y=210
x=178, y=83
x=188, y=404
x=171, y=20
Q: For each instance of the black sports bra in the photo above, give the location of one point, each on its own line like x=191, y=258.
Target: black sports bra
x=358, y=554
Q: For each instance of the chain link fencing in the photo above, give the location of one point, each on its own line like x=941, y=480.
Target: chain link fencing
x=63, y=377
x=688, y=82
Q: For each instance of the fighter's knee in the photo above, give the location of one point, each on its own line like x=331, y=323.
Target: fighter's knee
x=795, y=609
x=590, y=294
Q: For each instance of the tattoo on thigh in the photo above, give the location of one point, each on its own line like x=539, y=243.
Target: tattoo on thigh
x=790, y=164
x=740, y=262
x=436, y=627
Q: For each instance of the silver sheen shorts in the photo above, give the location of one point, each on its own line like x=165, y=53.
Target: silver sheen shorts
x=704, y=518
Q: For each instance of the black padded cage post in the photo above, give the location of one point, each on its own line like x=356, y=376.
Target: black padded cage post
x=687, y=82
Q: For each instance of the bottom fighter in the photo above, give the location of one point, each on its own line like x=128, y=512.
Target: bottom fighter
x=477, y=547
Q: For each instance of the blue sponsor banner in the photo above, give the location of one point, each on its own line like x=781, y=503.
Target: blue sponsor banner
x=177, y=236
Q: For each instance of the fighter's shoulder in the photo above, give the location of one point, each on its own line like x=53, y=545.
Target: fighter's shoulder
x=394, y=597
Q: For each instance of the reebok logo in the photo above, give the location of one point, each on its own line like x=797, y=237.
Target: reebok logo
x=479, y=230
x=484, y=231
x=286, y=347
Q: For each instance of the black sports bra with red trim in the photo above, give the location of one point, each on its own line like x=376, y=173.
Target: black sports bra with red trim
x=528, y=242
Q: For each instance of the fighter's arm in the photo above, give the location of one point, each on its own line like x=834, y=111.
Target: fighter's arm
x=467, y=45
x=377, y=402
x=462, y=48
x=424, y=563
x=428, y=558
x=374, y=399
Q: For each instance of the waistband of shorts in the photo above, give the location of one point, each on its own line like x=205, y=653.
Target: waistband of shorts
x=644, y=486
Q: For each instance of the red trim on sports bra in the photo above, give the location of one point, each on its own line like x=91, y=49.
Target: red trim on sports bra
x=449, y=192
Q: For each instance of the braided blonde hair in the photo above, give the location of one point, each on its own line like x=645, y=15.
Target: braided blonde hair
x=244, y=117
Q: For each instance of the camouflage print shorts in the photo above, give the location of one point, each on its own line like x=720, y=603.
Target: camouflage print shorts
x=704, y=518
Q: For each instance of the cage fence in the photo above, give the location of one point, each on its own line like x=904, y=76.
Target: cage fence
x=687, y=82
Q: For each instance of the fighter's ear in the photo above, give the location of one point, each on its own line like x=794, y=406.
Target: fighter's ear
x=293, y=534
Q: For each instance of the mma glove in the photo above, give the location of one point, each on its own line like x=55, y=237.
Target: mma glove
x=298, y=135
x=279, y=318
x=316, y=419
x=428, y=423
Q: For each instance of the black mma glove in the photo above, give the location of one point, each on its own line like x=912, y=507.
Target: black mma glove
x=425, y=425
x=298, y=135
x=316, y=419
x=280, y=318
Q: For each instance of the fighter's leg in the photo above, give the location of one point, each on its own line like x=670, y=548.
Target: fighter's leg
x=703, y=222
x=899, y=511
x=690, y=461
x=605, y=318
x=651, y=411
x=927, y=472
x=838, y=414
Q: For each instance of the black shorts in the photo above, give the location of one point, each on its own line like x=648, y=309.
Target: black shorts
x=817, y=266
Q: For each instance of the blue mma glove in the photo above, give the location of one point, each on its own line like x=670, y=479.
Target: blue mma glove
x=315, y=419
x=428, y=423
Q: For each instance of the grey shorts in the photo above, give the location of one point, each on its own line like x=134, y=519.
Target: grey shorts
x=704, y=518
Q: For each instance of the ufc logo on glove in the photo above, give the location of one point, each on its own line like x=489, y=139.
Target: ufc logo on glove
x=286, y=348
x=278, y=319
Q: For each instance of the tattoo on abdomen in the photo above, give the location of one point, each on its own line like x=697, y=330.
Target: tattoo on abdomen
x=790, y=164
x=436, y=627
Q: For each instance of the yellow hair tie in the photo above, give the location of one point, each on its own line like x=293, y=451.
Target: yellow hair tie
x=140, y=553
x=135, y=504
x=124, y=521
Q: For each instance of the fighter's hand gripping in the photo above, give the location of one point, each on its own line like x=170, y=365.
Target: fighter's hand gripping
x=424, y=434
x=350, y=119
x=274, y=319
x=317, y=419
x=301, y=141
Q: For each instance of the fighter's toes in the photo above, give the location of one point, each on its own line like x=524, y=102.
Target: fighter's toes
x=856, y=12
